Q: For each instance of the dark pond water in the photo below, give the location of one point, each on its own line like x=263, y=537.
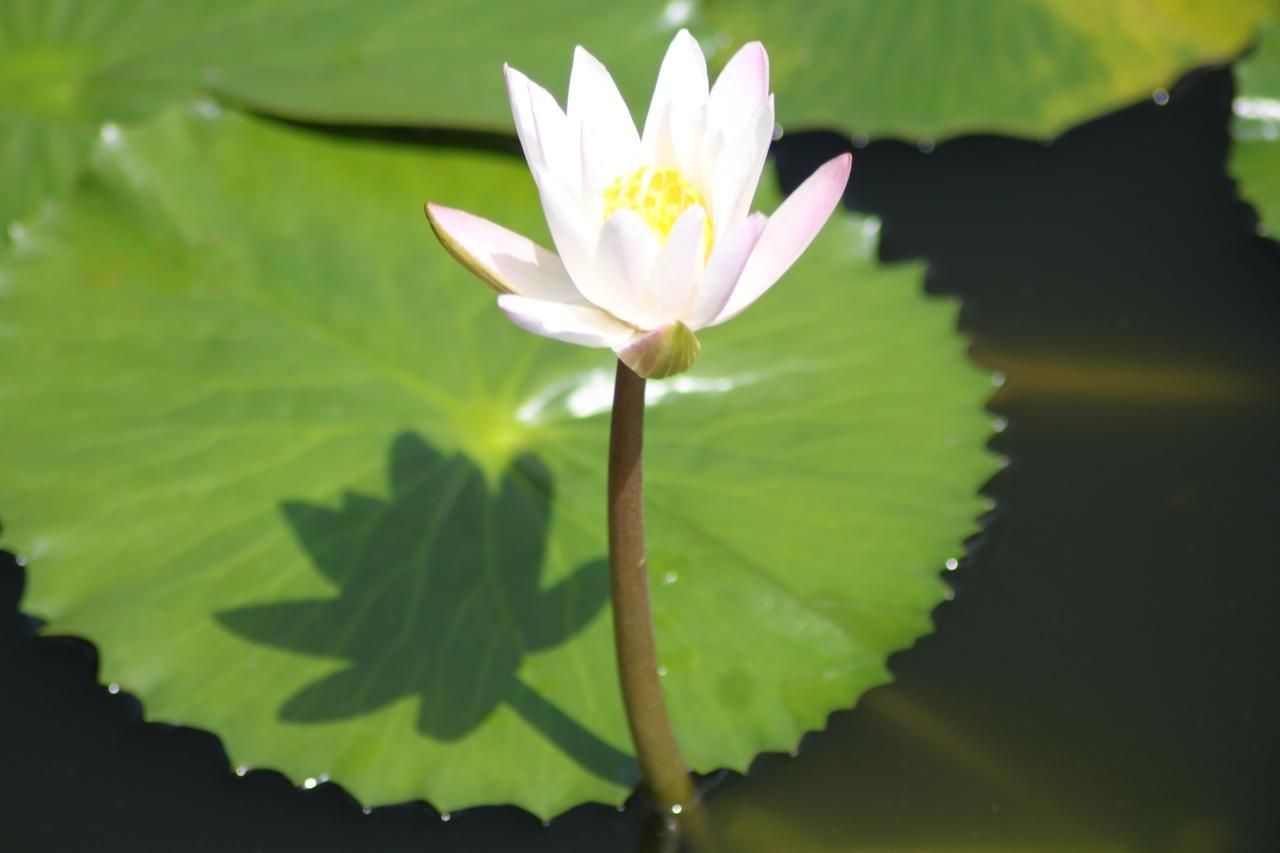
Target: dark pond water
x=1106, y=677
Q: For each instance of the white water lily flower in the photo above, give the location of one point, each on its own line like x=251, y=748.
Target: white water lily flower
x=654, y=231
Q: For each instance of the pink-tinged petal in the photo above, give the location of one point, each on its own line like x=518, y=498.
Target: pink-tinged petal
x=681, y=88
x=724, y=270
x=788, y=233
x=740, y=89
x=508, y=262
x=738, y=170
x=678, y=268
x=664, y=352
x=609, y=140
x=625, y=257
x=574, y=236
x=585, y=325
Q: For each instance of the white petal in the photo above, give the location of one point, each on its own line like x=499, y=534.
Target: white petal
x=506, y=260
x=682, y=91
x=789, y=232
x=574, y=236
x=550, y=141
x=609, y=139
x=658, y=148
x=740, y=89
x=559, y=139
x=576, y=324
x=595, y=177
x=712, y=146
x=624, y=260
x=688, y=132
x=678, y=268
x=522, y=112
x=737, y=172
x=724, y=270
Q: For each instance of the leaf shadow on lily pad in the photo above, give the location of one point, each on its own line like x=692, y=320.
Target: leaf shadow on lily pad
x=438, y=598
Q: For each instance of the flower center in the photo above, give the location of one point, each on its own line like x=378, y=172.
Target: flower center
x=659, y=196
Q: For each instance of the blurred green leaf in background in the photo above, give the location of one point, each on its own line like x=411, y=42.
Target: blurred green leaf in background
x=915, y=69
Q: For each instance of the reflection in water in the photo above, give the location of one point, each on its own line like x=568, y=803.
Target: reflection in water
x=1100, y=379
x=439, y=599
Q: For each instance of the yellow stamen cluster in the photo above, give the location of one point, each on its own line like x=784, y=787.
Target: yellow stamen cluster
x=659, y=196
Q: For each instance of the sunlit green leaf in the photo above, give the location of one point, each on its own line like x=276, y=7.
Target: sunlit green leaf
x=281, y=458
x=1255, y=157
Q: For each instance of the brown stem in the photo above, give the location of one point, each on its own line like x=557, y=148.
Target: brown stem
x=665, y=775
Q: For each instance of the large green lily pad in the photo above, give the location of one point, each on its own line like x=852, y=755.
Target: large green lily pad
x=287, y=465
x=1255, y=157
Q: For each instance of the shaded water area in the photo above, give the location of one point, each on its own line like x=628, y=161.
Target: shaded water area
x=1105, y=677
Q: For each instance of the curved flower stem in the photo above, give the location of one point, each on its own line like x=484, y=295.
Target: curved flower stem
x=665, y=776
